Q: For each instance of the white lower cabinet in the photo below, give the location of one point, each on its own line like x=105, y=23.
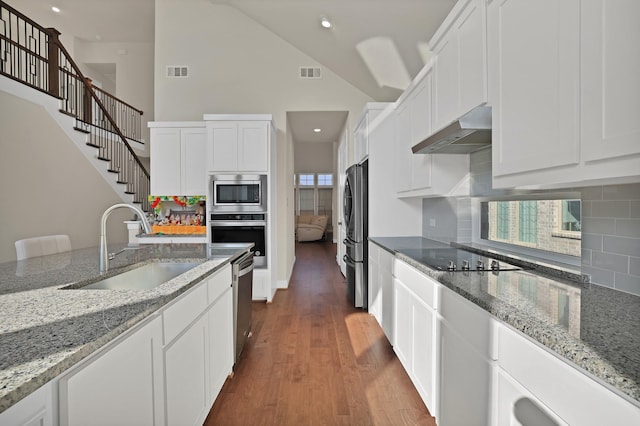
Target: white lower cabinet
x=168, y=371
x=415, y=334
x=550, y=388
x=185, y=376
x=381, y=288
x=515, y=406
x=34, y=410
x=118, y=385
x=220, y=335
x=467, y=360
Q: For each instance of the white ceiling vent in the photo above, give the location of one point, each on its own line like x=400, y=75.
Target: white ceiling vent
x=177, y=71
x=310, y=72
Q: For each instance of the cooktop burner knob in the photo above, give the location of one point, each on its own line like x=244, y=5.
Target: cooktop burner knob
x=480, y=265
x=495, y=264
x=452, y=266
x=465, y=265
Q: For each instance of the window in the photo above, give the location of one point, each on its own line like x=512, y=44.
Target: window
x=325, y=179
x=527, y=221
x=549, y=225
x=307, y=179
x=503, y=220
x=314, y=195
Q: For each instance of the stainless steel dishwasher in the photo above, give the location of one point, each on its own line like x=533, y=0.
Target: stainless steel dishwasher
x=242, y=269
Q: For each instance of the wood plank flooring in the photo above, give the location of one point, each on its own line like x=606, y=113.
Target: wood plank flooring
x=315, y=360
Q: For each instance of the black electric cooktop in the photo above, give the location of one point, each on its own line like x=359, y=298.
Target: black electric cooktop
x=453, y=259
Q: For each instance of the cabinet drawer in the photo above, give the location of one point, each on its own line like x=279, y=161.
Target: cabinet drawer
x=424, y=287
x=218, y=283
x=575, y=397
x=183, y=312
x=471, y=323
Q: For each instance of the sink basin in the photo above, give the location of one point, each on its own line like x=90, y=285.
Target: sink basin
x=144, y=277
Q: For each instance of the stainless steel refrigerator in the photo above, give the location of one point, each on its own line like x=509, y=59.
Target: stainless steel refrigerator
x=356, y=224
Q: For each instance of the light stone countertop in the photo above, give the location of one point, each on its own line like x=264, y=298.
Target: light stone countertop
x=600, y=334
x=45, y=330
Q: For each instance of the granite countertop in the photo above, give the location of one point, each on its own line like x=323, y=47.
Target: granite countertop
x=593, y=327
x=44, y=330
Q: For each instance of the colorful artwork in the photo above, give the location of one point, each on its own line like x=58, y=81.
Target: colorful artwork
x=156, y=201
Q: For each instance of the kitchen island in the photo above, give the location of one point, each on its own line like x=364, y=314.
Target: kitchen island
x=592, y=329
x=46, y=329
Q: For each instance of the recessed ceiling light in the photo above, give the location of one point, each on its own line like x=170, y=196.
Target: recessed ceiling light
x=325, y=22
x=55, y=9
x=317, y=130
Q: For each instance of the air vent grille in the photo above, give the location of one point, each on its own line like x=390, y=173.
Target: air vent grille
x=310, y=72
x=180, y=71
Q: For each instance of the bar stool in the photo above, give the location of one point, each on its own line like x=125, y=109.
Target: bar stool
x=42, y=246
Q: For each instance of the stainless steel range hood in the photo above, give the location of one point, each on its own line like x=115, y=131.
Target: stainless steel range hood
x=468, y=134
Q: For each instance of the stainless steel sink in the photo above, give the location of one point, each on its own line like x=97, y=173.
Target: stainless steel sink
x=144, y=277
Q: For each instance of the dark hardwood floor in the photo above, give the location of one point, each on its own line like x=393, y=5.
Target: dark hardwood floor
x=315, y=360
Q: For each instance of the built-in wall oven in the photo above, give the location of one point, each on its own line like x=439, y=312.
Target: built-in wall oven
x=237, y=193
x=241, y=228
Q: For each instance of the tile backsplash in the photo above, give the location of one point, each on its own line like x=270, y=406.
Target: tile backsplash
x=610, y=225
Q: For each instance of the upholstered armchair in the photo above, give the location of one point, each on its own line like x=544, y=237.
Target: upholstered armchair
x=310, y=227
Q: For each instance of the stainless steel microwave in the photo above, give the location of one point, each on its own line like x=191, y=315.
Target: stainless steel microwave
x=238, y=193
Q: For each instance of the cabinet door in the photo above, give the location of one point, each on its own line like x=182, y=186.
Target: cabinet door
x=222, y=153
x=425, y=353
x=610, y=101
x=185, y=377
x=403, y=154
x=516, y=406
x=472, y=50
x=403, y=324
x=253, y=147
x=361, y=148
x=420, y=106
x=465, y=378
x=221, y=347
x=165, y=156
x=117, y=387
x=375, y=292
x=194, y=165
x=36, y=409
x=572, y=391
x=535, y=84
x=385, y=270
x=445, y=94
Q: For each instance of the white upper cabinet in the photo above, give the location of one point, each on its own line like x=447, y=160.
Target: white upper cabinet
x=238, y=145
x=178, y=164
x=460, y=48
x=363, y=128
x=535, y=87
x=420, y=175
x=565, y=104
x=610, y=97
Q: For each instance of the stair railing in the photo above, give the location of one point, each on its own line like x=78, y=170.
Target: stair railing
x=34, y=55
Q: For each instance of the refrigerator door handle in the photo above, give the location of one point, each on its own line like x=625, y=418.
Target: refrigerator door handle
x=349, y=243
x=348, y=260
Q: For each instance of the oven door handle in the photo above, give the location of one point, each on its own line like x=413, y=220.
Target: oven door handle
x=238, y=223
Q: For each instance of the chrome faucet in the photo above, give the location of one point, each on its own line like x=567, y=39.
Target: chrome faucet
x=104, y=253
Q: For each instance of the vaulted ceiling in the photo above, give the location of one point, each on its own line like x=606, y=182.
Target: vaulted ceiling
x=377, y=46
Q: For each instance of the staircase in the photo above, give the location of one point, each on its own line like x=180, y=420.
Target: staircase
x=34, y=57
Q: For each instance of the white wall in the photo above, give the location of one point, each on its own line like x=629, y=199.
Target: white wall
x=46, y=184
x=238, y=66
x=314, y=157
